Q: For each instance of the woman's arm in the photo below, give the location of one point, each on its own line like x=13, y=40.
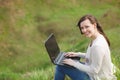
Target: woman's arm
x=97, y=54
x=80, y=54
x=75, y=54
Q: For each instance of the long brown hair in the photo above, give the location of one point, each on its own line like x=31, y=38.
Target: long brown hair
x=93, y=20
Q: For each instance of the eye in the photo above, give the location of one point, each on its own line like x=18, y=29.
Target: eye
x=86, y=26
x=82, y=27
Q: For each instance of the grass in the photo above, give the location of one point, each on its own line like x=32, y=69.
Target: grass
x=115, y=37
x=26, y=24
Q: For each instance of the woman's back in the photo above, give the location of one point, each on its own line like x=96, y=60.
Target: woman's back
x=100, y=59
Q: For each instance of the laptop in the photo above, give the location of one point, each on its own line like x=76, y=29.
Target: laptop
x=54, y=52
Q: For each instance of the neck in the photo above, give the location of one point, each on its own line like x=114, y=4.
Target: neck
x=95, y=35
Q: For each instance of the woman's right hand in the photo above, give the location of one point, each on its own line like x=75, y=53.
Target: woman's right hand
x=71, y=54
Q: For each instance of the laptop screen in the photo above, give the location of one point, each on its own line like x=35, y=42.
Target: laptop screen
x=52, y=47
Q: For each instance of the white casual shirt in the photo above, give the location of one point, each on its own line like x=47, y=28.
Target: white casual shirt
x=98, y=63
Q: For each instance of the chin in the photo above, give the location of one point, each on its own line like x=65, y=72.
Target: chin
x=88, y=36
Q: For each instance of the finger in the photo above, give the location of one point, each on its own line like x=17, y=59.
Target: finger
x=64, y=62
x=67, y=54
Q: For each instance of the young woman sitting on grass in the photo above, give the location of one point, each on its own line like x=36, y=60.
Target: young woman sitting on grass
x=98, y=64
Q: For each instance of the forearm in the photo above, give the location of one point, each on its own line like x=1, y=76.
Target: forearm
x=83, y=67
x=80, y=54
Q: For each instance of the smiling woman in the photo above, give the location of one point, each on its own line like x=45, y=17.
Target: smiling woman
x=88, y=29
x=98, y=64
x=89, y=21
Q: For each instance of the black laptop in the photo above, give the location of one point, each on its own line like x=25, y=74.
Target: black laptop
x=53, y=50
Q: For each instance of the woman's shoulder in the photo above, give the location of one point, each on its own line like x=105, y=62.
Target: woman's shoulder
x=100, y=41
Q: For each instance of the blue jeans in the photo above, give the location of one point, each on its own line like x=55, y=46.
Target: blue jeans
x=72, y=72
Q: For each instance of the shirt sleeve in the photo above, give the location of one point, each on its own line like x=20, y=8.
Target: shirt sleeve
x=96, y=57
x=82, y=55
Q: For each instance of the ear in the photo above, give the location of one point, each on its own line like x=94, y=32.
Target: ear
x=95, y=25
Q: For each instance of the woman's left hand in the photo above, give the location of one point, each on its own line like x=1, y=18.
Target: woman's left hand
x=69, y=62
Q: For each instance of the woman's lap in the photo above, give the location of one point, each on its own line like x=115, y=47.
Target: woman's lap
x=72, y=72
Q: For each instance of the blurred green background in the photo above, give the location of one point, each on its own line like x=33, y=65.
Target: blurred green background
x=25, y=25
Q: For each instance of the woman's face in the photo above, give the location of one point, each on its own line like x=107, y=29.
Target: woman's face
x=88, y=29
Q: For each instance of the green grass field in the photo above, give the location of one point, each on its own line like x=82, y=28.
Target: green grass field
x=24, y=26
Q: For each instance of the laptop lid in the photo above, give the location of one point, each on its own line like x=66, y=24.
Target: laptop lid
x=52, y=47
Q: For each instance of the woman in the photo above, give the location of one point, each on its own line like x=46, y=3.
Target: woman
x=98, y=65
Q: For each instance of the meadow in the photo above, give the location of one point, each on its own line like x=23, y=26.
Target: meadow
x=25, y=25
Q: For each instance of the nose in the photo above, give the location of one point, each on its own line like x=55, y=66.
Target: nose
x=84, y=30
